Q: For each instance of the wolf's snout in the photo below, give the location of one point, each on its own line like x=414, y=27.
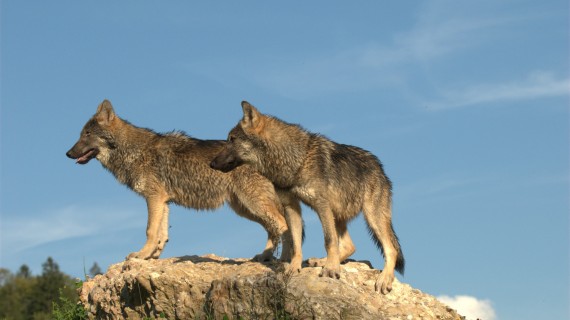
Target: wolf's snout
x=218, y=164
x=224, y=162
x=82, y=157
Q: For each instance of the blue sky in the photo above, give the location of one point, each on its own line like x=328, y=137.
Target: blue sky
x=465, y=103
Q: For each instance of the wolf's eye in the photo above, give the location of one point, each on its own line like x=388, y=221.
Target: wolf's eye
x=231, y=138
x=87, y=133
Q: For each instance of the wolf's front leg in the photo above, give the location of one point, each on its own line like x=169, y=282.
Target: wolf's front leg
x=156, y=230
x=162, y=233
x=331, y=268
x=295, y=224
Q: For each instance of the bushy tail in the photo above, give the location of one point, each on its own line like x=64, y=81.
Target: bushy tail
x=378, y=215
x=400, y=260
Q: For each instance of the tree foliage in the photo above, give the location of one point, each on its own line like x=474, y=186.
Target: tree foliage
x=95, y=270
x=24, y=296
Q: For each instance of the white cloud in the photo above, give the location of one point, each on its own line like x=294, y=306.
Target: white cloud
x=470, y=307
x=23, y=232
x=539, y=84
x=430, y=39
x=372, y=65
x=440, y=29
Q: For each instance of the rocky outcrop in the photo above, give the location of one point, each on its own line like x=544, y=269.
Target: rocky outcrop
x=212, y=287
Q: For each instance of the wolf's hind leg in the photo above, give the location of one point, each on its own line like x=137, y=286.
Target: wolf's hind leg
x=265, y=212
x=378, y=215
x=346, y=246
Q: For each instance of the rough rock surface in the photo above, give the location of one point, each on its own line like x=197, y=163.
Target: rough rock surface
x=212, y=287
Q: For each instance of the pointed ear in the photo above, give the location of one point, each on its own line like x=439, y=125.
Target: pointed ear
x=251, y=116
x=105, y=113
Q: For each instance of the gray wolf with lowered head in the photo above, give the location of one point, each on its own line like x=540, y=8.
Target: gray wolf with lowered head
x=174, y=168
x=338, y=181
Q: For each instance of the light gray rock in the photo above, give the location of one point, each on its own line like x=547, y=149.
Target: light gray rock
x=212, y=287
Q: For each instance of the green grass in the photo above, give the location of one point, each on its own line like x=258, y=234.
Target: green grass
x=66, y=309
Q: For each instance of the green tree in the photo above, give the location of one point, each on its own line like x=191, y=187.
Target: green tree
x=95, y=270
x=24, y=272
x=5, y=276
x=6, y=294
x=16, y=294
x=27, y=297
x=47, y=288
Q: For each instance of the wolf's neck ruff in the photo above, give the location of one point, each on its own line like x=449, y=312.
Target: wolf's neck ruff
x=123, y=149
x=291, y=157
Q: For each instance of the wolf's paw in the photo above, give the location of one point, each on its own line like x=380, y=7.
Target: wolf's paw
x=384, y=283
x=292, y=268
x=330, y=272
x=143, y=255
x=134, y=255
x=265, y=256
x=316, y=262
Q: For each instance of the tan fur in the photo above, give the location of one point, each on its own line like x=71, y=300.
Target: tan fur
x=174, y=167
x=337, y=181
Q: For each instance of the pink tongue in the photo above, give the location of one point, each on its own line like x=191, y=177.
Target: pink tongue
x=84, y=157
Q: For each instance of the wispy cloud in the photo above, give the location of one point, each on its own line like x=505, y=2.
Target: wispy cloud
x=27, y=232
x=470, y=307
x=429, y=39
x=375, y=62
x=441, y=29
x=538, y=84
x=372, y=65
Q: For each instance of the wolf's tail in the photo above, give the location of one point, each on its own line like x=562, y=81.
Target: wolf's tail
x=400, y=260
x=378, y=215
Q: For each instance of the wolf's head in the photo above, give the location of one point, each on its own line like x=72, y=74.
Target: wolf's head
x=245, y=142
x=96, y=137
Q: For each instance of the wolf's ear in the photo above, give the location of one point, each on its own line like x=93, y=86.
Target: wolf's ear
x=251, y=116
x=105, y=113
